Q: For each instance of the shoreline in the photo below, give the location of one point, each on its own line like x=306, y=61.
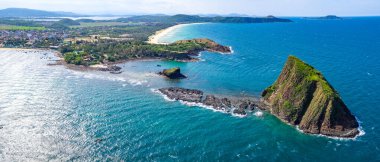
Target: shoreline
x=95, y=67
x=155, y=38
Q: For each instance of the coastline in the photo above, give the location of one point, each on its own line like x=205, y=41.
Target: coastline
x=154, y=39
x=96, y=67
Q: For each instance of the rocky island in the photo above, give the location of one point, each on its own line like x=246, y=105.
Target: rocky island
x=328, y=17
x=173, y=73
x=302, y=96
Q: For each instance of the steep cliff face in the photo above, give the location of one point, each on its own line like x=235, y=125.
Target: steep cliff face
x=302, y=96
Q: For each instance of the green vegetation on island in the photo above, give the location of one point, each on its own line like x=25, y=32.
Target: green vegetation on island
x=15, y=27
x=302, y=96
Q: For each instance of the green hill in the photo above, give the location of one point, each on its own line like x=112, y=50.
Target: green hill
x=302, y=96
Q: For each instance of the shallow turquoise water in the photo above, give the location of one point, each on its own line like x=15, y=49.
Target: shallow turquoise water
x=49, y=112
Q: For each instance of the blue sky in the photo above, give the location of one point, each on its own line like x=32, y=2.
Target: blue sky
x=250, y=7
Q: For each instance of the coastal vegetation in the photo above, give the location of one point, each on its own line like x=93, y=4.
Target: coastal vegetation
x=19, y=22
x=105, y=51
x=68, y=22
x=15, y=27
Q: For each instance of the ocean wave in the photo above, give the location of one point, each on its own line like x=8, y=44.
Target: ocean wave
x=196, y=104
x=259, y=113
x=232, y=51
x=360, y=129
x=135, y=82
x=238, y=115
x=163, y=95
x=89, y=75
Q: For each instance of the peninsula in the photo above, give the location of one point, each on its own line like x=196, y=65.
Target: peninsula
x=105, y=52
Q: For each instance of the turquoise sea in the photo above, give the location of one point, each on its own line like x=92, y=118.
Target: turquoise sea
x=52, y=113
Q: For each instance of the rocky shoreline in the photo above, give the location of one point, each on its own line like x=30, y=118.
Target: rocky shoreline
x=237, y=106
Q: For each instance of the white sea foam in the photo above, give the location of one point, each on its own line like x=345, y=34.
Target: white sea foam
x=201, y=105
x=197, y=104
x=135, y=82
x=238, y=115
x=111, y=77
x=163, y=95
x=232, y=51
x=174, y=157
x=360, y=129
x=259, y=113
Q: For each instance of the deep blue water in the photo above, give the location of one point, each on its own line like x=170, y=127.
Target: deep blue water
x=52, y=113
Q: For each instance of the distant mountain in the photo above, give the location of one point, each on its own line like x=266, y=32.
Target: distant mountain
x=331, y=17
x=225, y=15
x=328, y=17
x=24, y=12
x=181, y=18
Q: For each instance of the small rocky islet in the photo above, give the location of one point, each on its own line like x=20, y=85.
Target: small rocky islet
x=172, y=73
x=301, y=96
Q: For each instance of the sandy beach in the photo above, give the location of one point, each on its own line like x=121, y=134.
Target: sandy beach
x=154, y=39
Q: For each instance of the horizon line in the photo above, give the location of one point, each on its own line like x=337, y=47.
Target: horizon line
x=198, y=14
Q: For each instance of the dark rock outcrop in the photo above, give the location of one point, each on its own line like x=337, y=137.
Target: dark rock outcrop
x=183, y=94
x=110, y=68
x=235, y=105
x=173, y=73
x=217, y=103
x=302, y=96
